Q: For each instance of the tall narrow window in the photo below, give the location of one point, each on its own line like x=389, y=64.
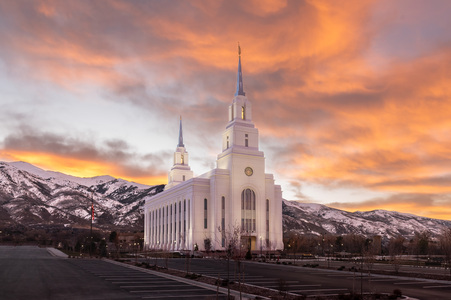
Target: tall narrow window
x=246, y=140
x=175, y=222
x=159, y=225
x=151, y=226
x=184, y=219
x=223, y=221
x=170, y=227
x=243, y=112
x=167, y=224
x=183, y=177
x=205, y=213
x=267, y=223
x=227, y=142
x=248, y=212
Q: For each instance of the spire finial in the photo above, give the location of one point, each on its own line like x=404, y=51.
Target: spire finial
x=180, y=135
x=239, y=81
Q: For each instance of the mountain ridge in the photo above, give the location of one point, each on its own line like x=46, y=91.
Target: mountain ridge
x=31, y=196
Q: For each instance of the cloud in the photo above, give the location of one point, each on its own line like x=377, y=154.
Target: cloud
x=433, y=205
x=84, y=156
x=344, y=94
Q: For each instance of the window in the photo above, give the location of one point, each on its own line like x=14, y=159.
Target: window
x=189, y=212
x=223, y=221
x=182, y=159
x=170, y=225
x=248, y=212
x=227, y=142
x=267, y=222
x=205, y=213
x=183, y=177
x=175, y=220
x=243, y=112
x=184, y=219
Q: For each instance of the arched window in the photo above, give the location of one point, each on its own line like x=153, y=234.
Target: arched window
x=243, y=112
x=248, y=210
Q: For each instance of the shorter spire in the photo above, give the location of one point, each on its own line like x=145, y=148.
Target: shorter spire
x=239, y=81
x=180, y=135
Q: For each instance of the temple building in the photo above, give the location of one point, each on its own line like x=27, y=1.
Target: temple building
x=235, y=201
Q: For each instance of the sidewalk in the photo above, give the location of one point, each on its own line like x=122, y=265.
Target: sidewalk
x=56, y=253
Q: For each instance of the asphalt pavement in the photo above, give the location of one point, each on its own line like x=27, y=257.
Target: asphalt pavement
x=29, y=272
x=314, y=282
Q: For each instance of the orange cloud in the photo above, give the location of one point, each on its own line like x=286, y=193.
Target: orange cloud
x=416, y=204
x=79, y=167
x=311, y=70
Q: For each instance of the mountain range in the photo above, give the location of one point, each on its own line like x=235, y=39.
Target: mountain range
x=317, y=219
x=31, y=196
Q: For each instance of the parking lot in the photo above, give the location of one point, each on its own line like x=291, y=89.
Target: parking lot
x=30, y=272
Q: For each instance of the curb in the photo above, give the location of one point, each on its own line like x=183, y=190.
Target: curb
x=235, y=294
x=56, y=253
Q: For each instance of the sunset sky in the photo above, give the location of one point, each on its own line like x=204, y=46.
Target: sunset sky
x=352, y=99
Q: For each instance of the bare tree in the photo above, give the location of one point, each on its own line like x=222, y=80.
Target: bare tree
x=232, y=243
x=293, y=245
x=445, y=245
x=395, y=250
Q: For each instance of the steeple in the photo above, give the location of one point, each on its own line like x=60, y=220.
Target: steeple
x=239, y=80
x=240, y=137
x=180, y=170
x=180, y=134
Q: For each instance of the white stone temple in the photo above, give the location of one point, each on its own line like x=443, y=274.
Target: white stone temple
x=235, y=198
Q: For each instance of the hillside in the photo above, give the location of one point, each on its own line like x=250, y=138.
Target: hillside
x=30, y=196
x=317, y=219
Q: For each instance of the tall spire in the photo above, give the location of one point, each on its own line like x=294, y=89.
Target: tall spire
x=180, y=135
x=239, y=81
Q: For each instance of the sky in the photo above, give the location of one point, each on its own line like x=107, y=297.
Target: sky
x=352, y=99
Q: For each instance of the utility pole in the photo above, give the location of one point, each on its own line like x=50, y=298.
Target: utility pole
x=92, y=218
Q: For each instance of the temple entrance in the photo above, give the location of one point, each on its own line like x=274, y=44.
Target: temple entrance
x=248, y=242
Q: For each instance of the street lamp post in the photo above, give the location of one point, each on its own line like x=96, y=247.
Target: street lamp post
x=261, y=247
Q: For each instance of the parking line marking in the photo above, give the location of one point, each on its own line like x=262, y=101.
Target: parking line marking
x=146, y=286
x=169, y=291
x=414, y=282
x=383, y=280
x=318, y=290
x=183, y=296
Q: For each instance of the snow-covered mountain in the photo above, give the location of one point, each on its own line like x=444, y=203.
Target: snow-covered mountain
x=32, y=196
x=317, y=219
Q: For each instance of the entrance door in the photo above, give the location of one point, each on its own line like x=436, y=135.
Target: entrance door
x=248, y=242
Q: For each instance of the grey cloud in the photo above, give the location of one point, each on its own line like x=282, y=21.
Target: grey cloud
x=116, y=152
